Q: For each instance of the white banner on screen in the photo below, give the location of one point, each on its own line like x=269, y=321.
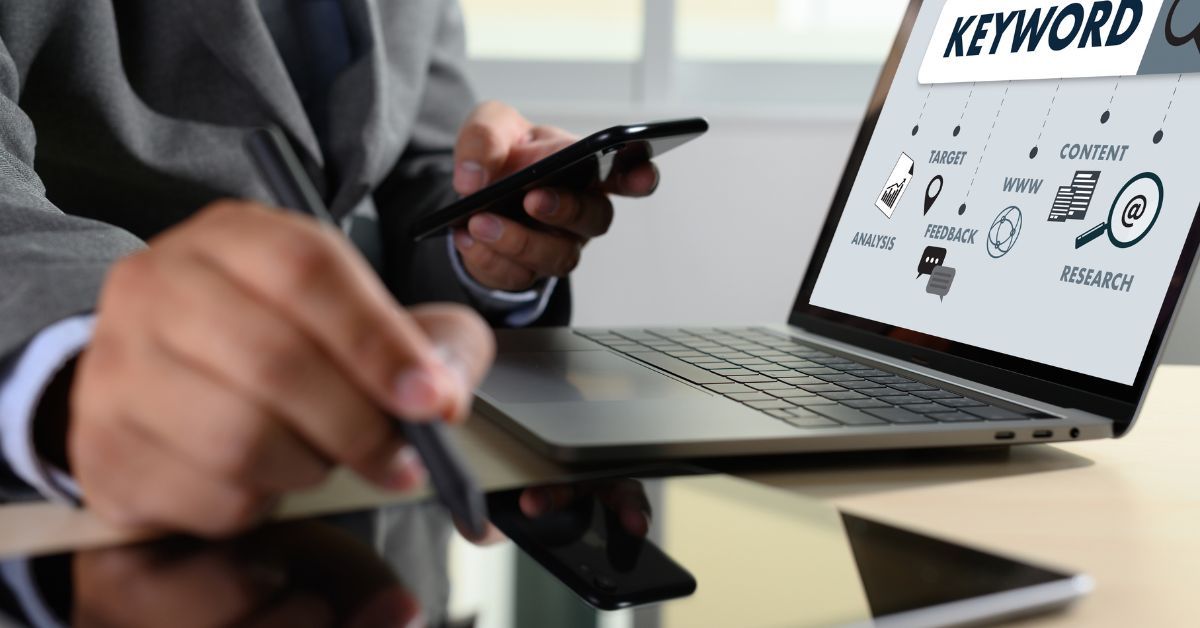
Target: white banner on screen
x=1003, y=40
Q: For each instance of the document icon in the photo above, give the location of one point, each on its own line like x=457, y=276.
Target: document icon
x=896, y=184
x=1072, y=201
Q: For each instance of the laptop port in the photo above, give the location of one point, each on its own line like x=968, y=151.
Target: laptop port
x=1005, y=435
x=1043, y=433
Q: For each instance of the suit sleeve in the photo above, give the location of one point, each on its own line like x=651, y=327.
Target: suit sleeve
x=421, y=183
x=51, y=264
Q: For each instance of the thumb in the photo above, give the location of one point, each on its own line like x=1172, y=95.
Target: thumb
x=465, y=344
x=484, y=144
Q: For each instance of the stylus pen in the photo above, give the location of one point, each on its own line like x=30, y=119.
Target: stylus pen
x=455, y=486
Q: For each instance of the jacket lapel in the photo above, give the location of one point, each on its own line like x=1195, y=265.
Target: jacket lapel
x=235, y=33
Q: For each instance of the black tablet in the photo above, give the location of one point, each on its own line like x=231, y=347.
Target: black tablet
x=640, y=549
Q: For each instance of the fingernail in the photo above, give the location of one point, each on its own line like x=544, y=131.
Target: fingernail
x=546, y=203
x=486, y=228
x=417, y=394
x=405, y=470
x=463, y=239
x=454, y=364
x=469, y=177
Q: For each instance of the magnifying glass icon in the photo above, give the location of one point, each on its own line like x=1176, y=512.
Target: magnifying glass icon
x=1133, y=213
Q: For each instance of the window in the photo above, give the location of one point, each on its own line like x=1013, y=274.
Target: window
x=554, y=30
x=663, y=52
x=786, y=30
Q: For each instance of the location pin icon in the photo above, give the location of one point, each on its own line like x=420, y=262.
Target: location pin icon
x=932, y=191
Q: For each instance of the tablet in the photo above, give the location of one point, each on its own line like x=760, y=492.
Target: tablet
x=631, y=550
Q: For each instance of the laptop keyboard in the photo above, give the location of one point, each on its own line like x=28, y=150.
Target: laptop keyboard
x=797, y=382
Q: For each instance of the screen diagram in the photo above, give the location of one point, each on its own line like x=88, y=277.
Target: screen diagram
x=1051, y=151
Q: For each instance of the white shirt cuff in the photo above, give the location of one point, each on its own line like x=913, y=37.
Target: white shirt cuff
x=522, y=307
x=21, y=391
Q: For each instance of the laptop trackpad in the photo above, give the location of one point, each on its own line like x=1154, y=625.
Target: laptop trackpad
x=556, y=377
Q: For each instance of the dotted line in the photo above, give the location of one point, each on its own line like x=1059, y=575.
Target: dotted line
x=1114, y=93
x=1172, y=101
x=1048, y=110
x=983, y=152
x=928, y=93
x=967, y=104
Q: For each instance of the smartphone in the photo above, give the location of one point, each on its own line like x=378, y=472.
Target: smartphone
x=585, y=546
x=582, y=164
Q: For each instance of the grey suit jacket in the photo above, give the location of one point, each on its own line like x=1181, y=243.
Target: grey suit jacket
x=119, y=118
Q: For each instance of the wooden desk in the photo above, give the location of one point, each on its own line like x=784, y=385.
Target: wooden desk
x=1126, y=512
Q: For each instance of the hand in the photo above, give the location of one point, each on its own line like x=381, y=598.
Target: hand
x=295, y=574
x=242, y=355
x=504, y=255
x=625, y=498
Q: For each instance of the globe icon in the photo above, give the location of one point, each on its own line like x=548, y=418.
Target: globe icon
x=1005, y=230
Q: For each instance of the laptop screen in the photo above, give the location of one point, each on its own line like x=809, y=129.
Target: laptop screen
x=1030, y=183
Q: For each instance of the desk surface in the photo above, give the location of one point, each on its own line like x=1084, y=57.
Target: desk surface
x=1125, y=512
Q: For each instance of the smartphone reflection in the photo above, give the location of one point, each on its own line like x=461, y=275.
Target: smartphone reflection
x=595, y=538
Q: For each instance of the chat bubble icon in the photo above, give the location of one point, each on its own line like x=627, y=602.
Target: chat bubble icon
x=932, y=258
x=940, y=281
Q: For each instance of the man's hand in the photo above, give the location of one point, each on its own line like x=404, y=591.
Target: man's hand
x=242, y=355
x=501, y=254
x=290, y=575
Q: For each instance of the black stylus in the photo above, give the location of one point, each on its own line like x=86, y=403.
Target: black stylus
x=455, y=485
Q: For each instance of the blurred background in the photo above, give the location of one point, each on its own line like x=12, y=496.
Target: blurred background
x=783, y=84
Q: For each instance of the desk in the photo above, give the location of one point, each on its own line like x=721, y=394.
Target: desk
x=1127, y=512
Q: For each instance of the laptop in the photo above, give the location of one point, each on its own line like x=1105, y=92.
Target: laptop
x=1001, y=263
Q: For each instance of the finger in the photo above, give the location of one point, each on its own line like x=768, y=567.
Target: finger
x=628, y=499
x=218, y=327
x=223, y=431
x=131, y=480
x=546, y=254
x=539, y=500
x=490, y=268
x=312, y=276
x=463, y=340
x=484, y=143
x=133, y=586
x=542, y=141
x=639, y=180
x=586, y=214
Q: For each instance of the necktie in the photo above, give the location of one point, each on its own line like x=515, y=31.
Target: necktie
x=324, y=52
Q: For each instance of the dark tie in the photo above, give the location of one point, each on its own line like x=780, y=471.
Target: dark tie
x=321, y=51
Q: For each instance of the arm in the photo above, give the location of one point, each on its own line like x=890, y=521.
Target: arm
x=422, y=182
x=51, y=269
x=51, y=264
x=219, y=353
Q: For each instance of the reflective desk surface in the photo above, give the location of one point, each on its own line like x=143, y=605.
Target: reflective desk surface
x=1124, y=512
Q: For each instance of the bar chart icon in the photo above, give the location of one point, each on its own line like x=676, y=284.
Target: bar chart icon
x=1072, y=201
x=896, y=185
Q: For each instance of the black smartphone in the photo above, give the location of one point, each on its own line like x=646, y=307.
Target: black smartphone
x=578, y=166
x=585, y=545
